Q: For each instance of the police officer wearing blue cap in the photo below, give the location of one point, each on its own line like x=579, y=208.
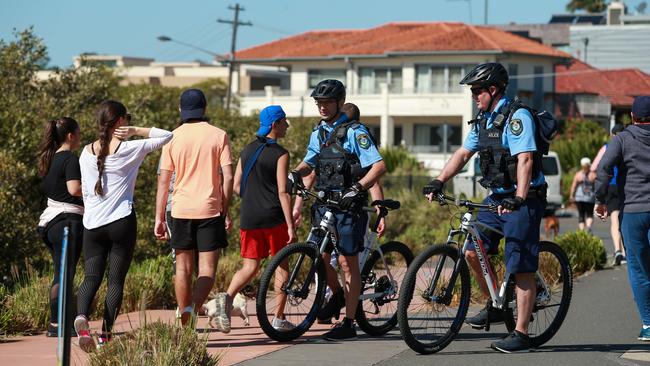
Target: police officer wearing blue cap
x=346, y=162
x=511, y=166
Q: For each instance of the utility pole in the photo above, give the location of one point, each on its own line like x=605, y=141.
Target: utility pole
x=485, y=15
x=235, y=23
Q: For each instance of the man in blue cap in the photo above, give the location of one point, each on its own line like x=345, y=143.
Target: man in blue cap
x=266, y=225
x=629, y=151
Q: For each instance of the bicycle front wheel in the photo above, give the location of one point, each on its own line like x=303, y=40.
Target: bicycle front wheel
x=434, y=298
x=377, y=309
x=554, y=288
x=293, y=286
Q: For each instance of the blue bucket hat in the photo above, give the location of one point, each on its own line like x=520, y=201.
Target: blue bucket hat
x=192, y=104
x=268, y=116
x=641, y=106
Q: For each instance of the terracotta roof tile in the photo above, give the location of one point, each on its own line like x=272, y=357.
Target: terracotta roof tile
x=620, y=86
x=398, y=37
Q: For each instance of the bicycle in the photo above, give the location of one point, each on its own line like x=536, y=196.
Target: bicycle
x=382, y=268
x=435, y=294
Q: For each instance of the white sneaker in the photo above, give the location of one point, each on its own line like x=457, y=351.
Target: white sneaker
x=85, y=339
x=282, y=324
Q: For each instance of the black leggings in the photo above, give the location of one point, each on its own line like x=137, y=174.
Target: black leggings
x=116, y=242
x=52, y=236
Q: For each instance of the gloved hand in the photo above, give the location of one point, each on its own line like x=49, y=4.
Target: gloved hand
x=512, y=203
x=349, y=195
x=435, y=187
x=294, y=182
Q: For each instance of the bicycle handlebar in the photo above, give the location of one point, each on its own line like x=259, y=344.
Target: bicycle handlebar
x=443, y=199
x=384, y=206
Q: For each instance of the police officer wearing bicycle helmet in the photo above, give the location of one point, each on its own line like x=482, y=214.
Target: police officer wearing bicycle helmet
x=511, y=168
x=346, y=161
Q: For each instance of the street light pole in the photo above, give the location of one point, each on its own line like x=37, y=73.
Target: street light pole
x=235, y=23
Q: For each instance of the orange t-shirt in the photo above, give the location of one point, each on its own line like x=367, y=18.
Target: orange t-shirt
x=196, y=153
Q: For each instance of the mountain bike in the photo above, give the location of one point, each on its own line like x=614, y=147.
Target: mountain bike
x=435, y=294
x=382, y=269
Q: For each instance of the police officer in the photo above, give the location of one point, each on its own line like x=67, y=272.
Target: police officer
x=346, y=162
x=511, y=167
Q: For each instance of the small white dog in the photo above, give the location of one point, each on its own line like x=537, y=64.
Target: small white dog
x=239, y=308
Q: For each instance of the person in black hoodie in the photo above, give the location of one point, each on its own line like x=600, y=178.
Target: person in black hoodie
x=630, y=152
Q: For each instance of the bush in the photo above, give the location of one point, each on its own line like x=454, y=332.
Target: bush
x=26, y=308
x=579, y=138
x=156, y=344
x=586, y=252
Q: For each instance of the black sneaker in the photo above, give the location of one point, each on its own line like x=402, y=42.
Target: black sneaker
x=340, y=331
x=479, y=321
x=618, y=258
x=53, y=331
x=332, y=308
x=515, y=342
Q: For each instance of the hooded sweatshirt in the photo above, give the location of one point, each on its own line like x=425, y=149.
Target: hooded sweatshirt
x=630, y=152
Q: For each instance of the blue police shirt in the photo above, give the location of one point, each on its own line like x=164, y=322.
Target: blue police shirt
x=358, y=142
x=520, y=141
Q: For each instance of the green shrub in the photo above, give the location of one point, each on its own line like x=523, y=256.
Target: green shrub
x=586, y=252
x=156, y=344
x=399, y=160
x=26, y=308
x=578, y=139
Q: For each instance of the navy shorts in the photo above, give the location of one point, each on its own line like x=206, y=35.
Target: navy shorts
x=521, y=229
x=351, y=227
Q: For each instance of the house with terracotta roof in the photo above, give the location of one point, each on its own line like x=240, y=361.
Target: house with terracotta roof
x=584, y=91
x=404, y=77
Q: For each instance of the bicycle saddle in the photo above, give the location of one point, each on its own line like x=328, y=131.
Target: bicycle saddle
x=389, y=204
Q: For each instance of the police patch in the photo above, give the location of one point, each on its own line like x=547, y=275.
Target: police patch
x=363, y=140
x=516, y=127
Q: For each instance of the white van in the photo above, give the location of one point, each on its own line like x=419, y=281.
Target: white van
x=467, y=181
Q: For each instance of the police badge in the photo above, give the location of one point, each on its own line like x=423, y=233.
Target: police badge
x=363, y=140
x=516, y=127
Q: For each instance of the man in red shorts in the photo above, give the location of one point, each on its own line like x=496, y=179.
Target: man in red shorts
x=266, y=225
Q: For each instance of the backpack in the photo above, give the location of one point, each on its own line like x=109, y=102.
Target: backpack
x=546, y=126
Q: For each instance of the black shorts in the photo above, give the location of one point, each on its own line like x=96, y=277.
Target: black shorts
x=203, y=234
x=613, y=203
x=585, y=211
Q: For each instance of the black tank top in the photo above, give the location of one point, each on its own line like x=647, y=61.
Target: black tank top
x=260, y=205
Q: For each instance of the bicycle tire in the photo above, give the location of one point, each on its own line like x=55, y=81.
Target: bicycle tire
x=559, y=277
x=372, y=271
x=302, y=321
x=429, y=341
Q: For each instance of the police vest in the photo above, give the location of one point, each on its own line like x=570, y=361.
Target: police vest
x=336, y=168
x=498, y=166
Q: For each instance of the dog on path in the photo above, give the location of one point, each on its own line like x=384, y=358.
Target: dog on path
x=551, y=226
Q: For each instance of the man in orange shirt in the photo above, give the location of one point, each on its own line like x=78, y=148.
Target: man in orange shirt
x=199, y=154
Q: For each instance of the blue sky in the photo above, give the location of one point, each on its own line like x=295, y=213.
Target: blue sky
x=70, y=27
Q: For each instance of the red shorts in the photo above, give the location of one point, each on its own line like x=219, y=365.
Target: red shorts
x=257, y=243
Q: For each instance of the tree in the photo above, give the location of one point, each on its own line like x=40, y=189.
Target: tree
x=590, y=6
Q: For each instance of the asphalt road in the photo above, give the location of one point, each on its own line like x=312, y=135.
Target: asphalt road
x=600, y=329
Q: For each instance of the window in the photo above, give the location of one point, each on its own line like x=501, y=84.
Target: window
x=538, y=88
x=376, y=133
x=315, y=76
x=370, y=80
x=439, y=78
x=430, y=138
x=397, y=136
x=512, y=85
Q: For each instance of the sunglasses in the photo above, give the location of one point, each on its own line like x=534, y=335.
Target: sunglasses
x=477, y=90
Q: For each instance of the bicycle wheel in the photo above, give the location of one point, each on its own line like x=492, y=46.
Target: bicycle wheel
x=554, y=289
x=298, y=300
x=429, y=315
x=377, y=311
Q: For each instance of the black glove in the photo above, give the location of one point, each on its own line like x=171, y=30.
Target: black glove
x=294, y=183
x=349, y=196
x=435, y=187
x=512, y=203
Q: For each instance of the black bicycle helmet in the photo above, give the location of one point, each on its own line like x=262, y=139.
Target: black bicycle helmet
x=329, y=88
x=488, y=74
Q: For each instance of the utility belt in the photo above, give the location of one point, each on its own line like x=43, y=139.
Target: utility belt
x=361, y=199
x=538, y=192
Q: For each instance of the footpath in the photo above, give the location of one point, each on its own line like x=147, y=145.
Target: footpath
x=600, y=329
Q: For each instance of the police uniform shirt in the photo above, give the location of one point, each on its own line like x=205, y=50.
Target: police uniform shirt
x=357, y=142
x=518, y=136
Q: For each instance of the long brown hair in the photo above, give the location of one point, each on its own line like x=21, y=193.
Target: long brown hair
x=108, y=113
x=54, y=136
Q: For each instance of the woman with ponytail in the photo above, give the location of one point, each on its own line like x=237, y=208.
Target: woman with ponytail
x=59, y=167
x=109, y=168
